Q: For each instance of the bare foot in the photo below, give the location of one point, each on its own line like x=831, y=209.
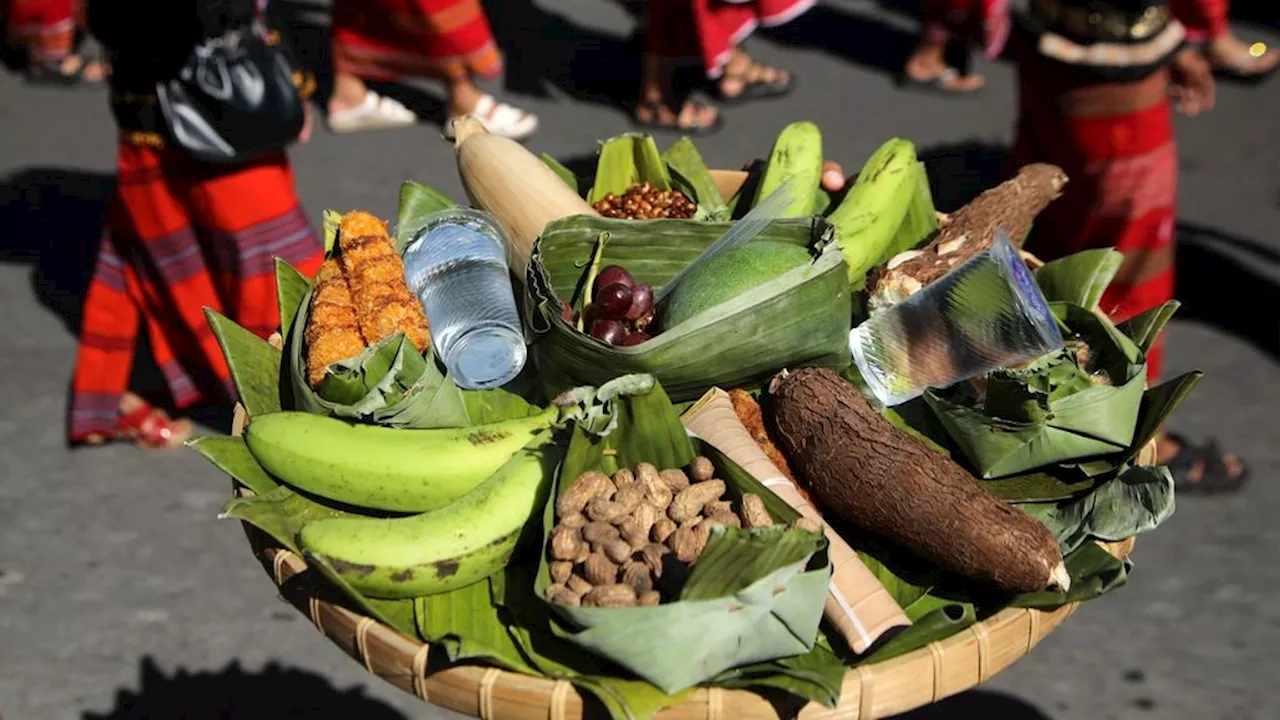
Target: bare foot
x=1203, y=468
x=928, y=65
x=1232, y=55
x=743, y=76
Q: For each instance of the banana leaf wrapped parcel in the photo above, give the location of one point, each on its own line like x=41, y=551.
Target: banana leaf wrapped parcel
x=751, y=596
x=799, y=318
x=1067, y=408
x=634, y=180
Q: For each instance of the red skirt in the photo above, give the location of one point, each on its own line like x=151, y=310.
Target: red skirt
x=180, y=237
x=1205, y=19
x=709, y=30
x=390, y=39
x=46, y=29
x=986, y=22
x=1122, y=185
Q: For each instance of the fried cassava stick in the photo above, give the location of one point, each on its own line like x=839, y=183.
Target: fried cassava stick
x=889, y=483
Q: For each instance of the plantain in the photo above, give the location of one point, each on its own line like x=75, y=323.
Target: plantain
x=868, y=219
x=448, y=548
x=796, y=153
x=384, y=468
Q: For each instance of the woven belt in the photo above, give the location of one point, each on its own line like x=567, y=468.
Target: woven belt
x=1102, y=26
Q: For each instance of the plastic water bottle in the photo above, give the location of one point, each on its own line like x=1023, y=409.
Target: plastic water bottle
x=457, y=266
x=986, y=314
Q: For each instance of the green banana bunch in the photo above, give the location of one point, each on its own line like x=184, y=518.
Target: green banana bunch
x=445, y=549
x=869, y=217
x=385, y=468
x=796, y=153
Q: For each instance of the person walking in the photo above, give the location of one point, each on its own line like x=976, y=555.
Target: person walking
x=182, y=232
x=45, y=35
x=388, y=40
x=951, y=23
x=1208, y=25
x=709, y=33
x=1096, y=95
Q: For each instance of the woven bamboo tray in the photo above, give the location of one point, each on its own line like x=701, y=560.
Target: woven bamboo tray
x=941, y=669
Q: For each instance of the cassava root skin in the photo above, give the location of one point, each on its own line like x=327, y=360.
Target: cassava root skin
x=888, y=483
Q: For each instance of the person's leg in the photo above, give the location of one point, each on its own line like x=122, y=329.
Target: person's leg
x=669, y=42
x=927, y=65
x=741, y=77
x=1208, y=22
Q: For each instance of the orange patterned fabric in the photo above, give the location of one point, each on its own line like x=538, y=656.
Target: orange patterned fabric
x=711, y=29
x=391, y=39
x=181, y=237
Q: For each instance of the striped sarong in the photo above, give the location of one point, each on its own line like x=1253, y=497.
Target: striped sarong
x=391, y=39
x=181, y=236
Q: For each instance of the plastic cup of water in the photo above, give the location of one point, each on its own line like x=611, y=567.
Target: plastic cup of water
x=985, y=314
x=457, y=266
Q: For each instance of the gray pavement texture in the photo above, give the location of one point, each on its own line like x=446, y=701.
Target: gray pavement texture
x=122, y=596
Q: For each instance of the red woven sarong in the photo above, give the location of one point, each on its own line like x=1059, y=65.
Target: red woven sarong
x=390, y=39
x=1121, y=193
x=709, y=30
x=181, y=237
x=45, y=28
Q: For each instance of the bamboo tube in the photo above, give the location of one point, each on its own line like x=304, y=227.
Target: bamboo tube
x=858, y=605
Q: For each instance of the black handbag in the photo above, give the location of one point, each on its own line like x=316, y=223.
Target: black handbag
x=234, y=98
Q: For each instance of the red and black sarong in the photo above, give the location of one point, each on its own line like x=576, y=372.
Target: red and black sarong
x=1121, y=193
x=391, y=39
x=46, y=29
x=181, y=236
x=709, y=30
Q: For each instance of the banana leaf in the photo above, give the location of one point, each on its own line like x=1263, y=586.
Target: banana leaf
x=1053, y=411
x=1094, y=573
x=1080, y=278
x=1136, y=501
x=254, y=364
x=563, y=172
x=231, y=456
x=690, y=175
x=799, y=318
x=417, y=203
x=626, y=160
x=754, y=596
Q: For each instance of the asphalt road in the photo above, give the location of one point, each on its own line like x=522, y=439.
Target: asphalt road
x=121, y=595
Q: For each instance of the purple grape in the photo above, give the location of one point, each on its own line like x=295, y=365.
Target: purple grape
x=634, y=338
x=609, y=331
x=614, y=300
x=613, y=274
x=641, y=301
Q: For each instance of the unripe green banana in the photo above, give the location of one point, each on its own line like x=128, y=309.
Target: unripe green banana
x=445, y=549
x=868, y=219
x=796, y=153
x=385, y=468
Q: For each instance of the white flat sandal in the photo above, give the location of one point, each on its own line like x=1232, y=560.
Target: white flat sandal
x=500, y=118
x=375, y=113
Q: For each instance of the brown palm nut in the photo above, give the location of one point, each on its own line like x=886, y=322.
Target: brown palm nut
x=588, y=486
x=754, y=513
x=675, y=478
x=614, y=595
x=600, y=570
x=689, y=502
x=724, y=518
x=618, y=551
x=656, y=492
x=623, y=478
x=652, y=555
x=561, y=595
x=578, y=585
x=636, y=574
x=599, y=532
x=717, y=507
x=653, y=597
x=701, y=469
x=576, y=520
x=561, y=570
x=566, y=544
x=662, y=530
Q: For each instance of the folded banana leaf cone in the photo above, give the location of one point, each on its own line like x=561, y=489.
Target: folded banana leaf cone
x=798, y=318
x=632, y=159
x=752, y=596
x=390, y=383
x=1077, y=408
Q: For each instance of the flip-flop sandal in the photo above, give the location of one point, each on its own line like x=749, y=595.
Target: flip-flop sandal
x=754, y=89
x=148, y=427
x=499, y=118
x=375, y=113
x=52, y=75
x=1239, y=71
x=1214, y=478
x=655, y=108
x=938, y=84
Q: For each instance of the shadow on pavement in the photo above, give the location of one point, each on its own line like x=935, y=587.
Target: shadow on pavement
x=53, y=221
x=274, y=692
x=1212, y=282
x=857, y=39
x=976, y=704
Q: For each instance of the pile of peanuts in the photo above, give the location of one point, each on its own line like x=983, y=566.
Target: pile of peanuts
x=628, y=540
x=646, y=202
